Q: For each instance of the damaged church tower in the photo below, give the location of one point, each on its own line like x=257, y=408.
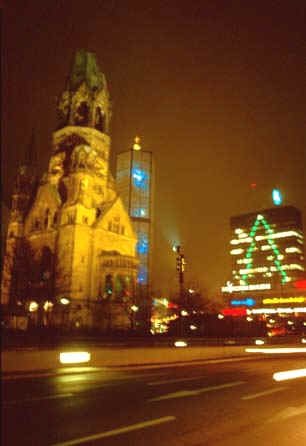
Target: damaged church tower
x=76, y=231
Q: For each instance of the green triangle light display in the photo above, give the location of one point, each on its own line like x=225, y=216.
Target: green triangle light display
x=262, y=220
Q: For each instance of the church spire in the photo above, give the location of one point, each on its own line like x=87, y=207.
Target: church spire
x=85, y=102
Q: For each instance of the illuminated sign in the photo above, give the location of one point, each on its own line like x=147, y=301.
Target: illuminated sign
x=249, y=302
x=283, y=300
x=300, y=284
x=277, y=310
x=260, y=286
x=276, y=197
x=234, y=312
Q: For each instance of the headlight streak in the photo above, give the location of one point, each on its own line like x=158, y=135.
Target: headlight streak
x=276, y=350
x=74, y=357
x=290, y=374
x=180, y=344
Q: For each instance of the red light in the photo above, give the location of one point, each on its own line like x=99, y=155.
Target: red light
x=253, y=184
x=300, y=284
x=234, y=312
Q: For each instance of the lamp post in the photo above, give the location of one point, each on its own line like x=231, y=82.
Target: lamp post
x=180, y=267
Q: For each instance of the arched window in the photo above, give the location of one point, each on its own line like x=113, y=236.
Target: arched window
x=121, y=287
x=108, y=285
x=47, y=218
x=82, y=114
x=99, y=120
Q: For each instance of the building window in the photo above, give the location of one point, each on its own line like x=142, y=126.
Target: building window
x=47, y=218
x=99, y=120
x=108, y=285
x=110, y=225
x=70, y=219
x=85, y=220
x=122, y=230
x=82, y=114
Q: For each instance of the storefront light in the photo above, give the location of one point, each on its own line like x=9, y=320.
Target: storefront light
x=33, y=306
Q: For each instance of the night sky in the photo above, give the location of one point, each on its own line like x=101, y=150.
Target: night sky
x=215, y=89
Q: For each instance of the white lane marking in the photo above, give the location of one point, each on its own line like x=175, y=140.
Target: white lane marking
x=288, y=413
x=183, y=393
x=265, y=392
x=48, y=397
x=121, y=430
x=155, y=383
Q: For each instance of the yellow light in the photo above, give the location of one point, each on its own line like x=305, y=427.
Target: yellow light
x=65, y=301
x=134, y=308
x=293, y=249
x=283, y=300
x=137, y=146
x=265, y=247
x=236, y=251
x=74, y=357
x=184, y=313
x=238, y=231
x=259, y=342
x=290, y=374
x=303, y=341
x=180, y=344
x=33, y=306
x=220, y=316
x=47, y=305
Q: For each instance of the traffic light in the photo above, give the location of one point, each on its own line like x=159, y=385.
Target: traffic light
x=183, y=261
x=178, y=263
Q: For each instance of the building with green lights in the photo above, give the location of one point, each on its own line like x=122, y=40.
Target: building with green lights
x=268, y=265
x=267, y=247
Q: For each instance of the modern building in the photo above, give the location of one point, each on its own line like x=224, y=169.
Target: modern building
x=135, y=184
x=268, y=265
x=71, y=247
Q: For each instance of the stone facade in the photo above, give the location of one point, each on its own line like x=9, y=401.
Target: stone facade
x=69, y=235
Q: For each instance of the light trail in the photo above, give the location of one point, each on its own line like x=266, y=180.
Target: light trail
x=290, y=374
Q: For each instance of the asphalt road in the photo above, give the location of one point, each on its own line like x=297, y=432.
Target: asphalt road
x=213, y=403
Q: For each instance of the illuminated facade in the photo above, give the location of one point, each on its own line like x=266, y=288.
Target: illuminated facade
x=267, y=248
x=72, y=226
x=134, y=176
x=268, y=265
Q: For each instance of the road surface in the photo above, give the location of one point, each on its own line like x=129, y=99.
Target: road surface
x=222, y=402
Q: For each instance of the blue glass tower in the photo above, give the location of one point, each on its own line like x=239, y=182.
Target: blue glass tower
x=134, y=177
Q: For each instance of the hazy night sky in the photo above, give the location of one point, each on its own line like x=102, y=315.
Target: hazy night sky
x=216, y=90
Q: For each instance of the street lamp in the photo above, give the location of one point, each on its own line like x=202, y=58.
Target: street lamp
x=180, y=267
